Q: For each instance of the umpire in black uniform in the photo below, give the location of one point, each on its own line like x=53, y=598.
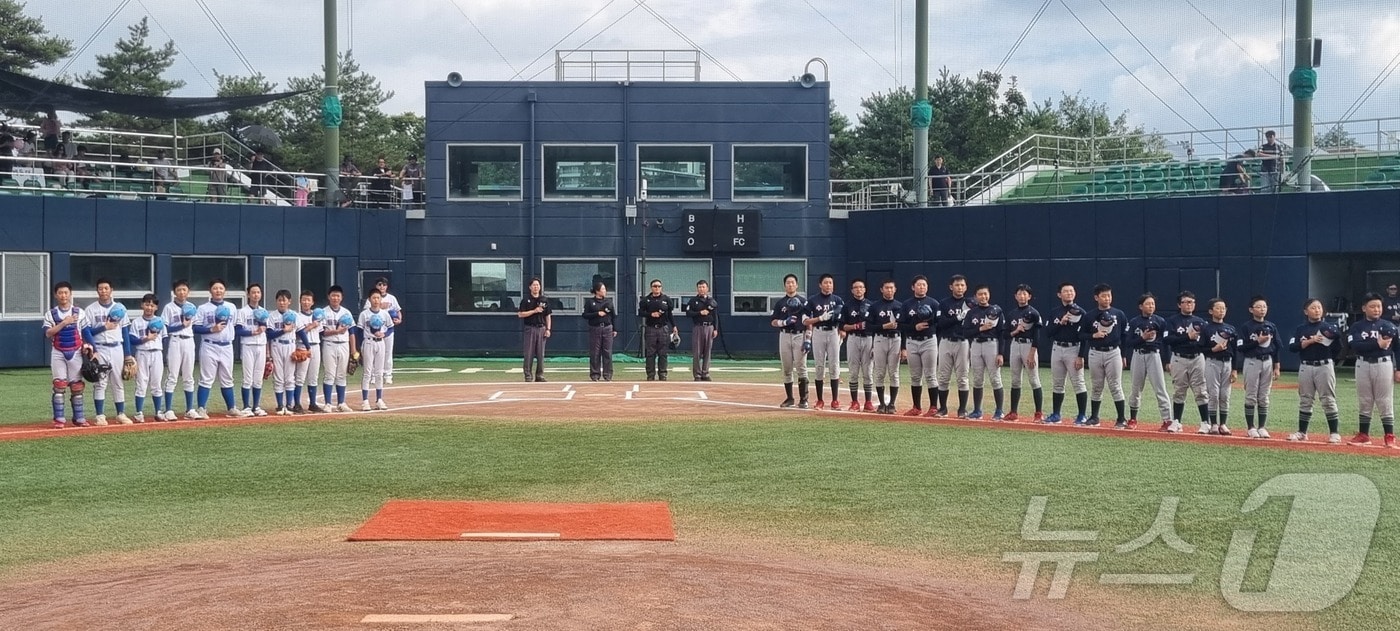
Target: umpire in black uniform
x=599, y=311
x=538, y=317
x=655, y=310
x=704, y=312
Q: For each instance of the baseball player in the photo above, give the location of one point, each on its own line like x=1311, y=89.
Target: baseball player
x=1101, y=330
x=655, y=310
x=1144, y=344
x=337, y=346
x=1018, y=346
x=309, y=338
x=1318, y=345
x=1392, y=304
x=391, y=305
x=1373, y=339
x=952, y=346
x=1188, y=365
x=1221, y=370
x=374, y=325
x=537, y=316
x=1258, y=353
x=146, y=334
x=704, y=316
x=70, y=333
x=982, y=326
x=920, y=346
x=860, y=344
x=281, y=341
x=822, y=319
x=250, y=323
x=109, y=342
x=886, y=319
x=599, y=311
x=793, y=342
x=1066, y=360
x=179, y=318
x=213, y=323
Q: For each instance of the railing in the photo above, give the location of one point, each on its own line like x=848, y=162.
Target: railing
x=113, y=145
x=626, y=65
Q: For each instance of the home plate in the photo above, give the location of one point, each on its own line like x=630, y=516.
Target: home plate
x=437, y=617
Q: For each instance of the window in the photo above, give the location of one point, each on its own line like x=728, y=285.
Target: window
x=483, y=286
x=199, y=270
x=758, y=284
x=770, y=172
x=24, y=285
x=483, y=172
x=568, y=282
x=580, y=172
x=675, y=172
x=677, y=278
x=295, y=274
x=132, y=276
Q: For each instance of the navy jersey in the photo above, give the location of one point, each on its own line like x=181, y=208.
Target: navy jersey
x=661, y=305
x=1392, y=310
x=825, y=306
x=1110, y=322
x=1216, y=333
x=855, y=314
x=918, y=310
x=1140, y=326
x=787, y=314
x=698, y=303
x=1062, y=323
x=978, y=316
x=593, y=306
x=1364, y=337
x=1027, y=318
x=950, y=316
x=884, y=312
x=1258, y=340
x=1177, y=339
x=1329, y=348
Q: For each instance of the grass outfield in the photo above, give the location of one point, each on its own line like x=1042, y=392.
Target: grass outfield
x=940, y=491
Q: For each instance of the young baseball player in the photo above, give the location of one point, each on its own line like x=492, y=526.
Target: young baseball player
x=952, y=346
x=213, y=323
x=1101, y=330
x=337, y=346
x=792, y=340
x=109, y=342
x=309, y=338
x=1145, y=344
x=921, y=347
x=281, y=340
x=179, y=319
x=860, y=345
x=1188, y=365
x=1318, y=345
x=251, y=325
x=1019, y=347
x=886, y=320
x=1259, y=354
x=1221, y=370
x=1066, y=360
x=982, y=327
x=703, y=310
x=821, y=319
x=1373, y=339
x=69, y=331
x=374, y=325
x=146, y=335
x=390, y=304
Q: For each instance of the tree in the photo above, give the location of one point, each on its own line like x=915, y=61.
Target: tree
x=843, y=149
x=1079, y=117
x=133, y=68
x=25, y=44
x=235, y=85
x=1336, y=140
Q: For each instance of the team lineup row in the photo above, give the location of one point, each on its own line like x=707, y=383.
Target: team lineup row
x=965, y=339
x=297, y=348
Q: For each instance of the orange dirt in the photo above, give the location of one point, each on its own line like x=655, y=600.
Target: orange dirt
x=421, y=520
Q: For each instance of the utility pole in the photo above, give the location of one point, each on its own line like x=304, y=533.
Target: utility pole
x=330, y=109
x=1302, y=83
x=921, y=113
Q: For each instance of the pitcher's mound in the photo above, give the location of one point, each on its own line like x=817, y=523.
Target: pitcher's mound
x=424, y=520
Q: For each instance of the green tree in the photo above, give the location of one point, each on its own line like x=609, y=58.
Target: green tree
x=843, y=144
x=236, y=85
x=134, y=68
x=1336, y=140
x=25, y=44
x=1078, y=117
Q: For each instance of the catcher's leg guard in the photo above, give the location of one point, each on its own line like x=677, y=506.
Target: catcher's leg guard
x=76, y=388
x=60, y=387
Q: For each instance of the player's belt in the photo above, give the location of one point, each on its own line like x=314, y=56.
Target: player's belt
x=891, y=335
x=1186, y=355
x=1376, y=360
x=177, y=336
x=1023, y=340
x=954, y=338
x=374, y=339
x=149, y=350
x=979, y=340
x=1261, y=358
x=791, y=332
x=1104, y=349
x=332, y=341
x=827, y=328
x=1218, y=359
x=1146, y=351
x=704, y=324
x=656, y=326
x=535, y=326
x=282, y=341
x=109, y=344
x=1316, y=362
x=218, y=342
x=1066, y=344
x=919, y=338
x=601, y=324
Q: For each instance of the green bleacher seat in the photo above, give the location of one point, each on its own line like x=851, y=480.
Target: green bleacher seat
x=1176, y=172
x=1179, y=186
x=1080, y=191
x=1153, y=173
x=1377, y=179
x=1117, y=189
x=1100, y=177
x=9, y=182
x=1117, y=174
x=1099, y=190
x=1156, y=187
x=1137, y=189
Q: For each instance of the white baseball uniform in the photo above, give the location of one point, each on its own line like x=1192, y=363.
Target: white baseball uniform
x=280, y=350
x=307, y=372
x=150, y=359
x=252, y=341
x=180, y=355
x=335, y=346
x=372, y=349
x=108, y=344
x=388, y=302
x=215, y=349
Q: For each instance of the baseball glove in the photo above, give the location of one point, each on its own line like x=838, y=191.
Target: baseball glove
x=267, y=368
x=128, y=368
x=675, y=341
x=93, y=368
x=354, y=363
x=300, y=355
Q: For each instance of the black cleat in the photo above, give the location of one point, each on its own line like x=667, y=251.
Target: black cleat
x=787, y=403
x=297, y=409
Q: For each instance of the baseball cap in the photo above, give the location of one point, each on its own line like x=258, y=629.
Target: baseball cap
x=218, y=151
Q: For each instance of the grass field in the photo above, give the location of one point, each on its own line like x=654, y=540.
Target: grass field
x=943, y=492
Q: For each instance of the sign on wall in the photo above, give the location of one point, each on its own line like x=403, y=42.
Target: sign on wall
x=734, y=231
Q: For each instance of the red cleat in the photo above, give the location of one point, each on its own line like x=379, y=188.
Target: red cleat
x=869, y=406
x=835, y=405
x=58, y=423
x=1360, y=439
x=1132, y=423
x=820, y=404
x=855, y=406
x=1166, y=426
x=1010, y=418
x=1390, y=441
x=914, y=412
x=1039, y=417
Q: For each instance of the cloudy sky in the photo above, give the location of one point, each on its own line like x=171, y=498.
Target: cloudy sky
x=1220, y=66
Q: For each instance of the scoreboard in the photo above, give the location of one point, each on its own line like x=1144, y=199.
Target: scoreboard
x=734, y=231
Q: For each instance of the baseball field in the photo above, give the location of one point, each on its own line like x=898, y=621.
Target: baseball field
x=784, y=519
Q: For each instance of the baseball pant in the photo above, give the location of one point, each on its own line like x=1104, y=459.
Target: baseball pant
x=1375, y=388
x=1188, y=372
x=600, y=360
x=656, y=339
x=1106, y=368
x=1258, y=381
x=794, y=358
x=307, y=372
x=886, y=361
x=216, y=360
x=1218, y=386
x=254, y=359
x=702, y=341
x=180, y=363
x=826, y=354
x=984, y=363
x=283, y=368
x=952, y=361
x=923, y=363
x=372, y=363
x=1019, y=351
x=534, y=352
x=1062, y=367
x=150, y=372
x=335, y=358
x=860, y=355
x=1317, y=382
x=112, y=379
x=1148, y=367
x=67, y=371
x=389, y=355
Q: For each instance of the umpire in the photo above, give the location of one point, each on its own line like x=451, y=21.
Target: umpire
x=704, y=312
x=538, y=317
x=599, y=311
x=655, y=310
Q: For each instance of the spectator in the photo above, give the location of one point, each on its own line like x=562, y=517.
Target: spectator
x=7, y=153
x=260, y=171
x=218, y=177
x=50, y=128
x=26, y=149
x=381, y=184
x=940, y=182
x=162, y=174
x=1234, y=179
x=1271, y=165
x=82, y=168
x=61, y=169
x=123, y=171
x=349, y=180
x=412, y=178
x=70, y=148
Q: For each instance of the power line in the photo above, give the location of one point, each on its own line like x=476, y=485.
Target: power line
x=82, y=49
x=1163, y=66
x=177, y=45
x=1027, y=31
x=1237, y=44
x=852, y=41
x=1374, y=85
x=228, y=39
x=691, y=42
x=483, y=36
